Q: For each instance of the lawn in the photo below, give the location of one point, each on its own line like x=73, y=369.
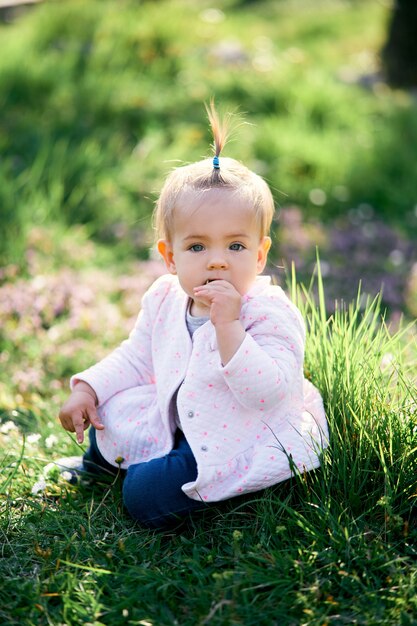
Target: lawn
x=99, y=100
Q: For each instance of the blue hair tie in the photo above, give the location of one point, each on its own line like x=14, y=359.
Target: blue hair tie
x=216, y=163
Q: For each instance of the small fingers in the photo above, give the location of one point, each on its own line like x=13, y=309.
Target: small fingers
x=214, y=290
x=83, y=421
x=80, y=423
x=94, y=419
x=79, y=432
x=219, y=284
x=74, y=422
x=78, y=413
x=66, y=421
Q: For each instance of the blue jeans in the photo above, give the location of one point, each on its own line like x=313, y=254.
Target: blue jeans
x=152, y=491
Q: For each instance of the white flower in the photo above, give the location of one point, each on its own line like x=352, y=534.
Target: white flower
x=40, y=485
x=7, y=427
x=51, y=441
x=49, y=469
x=33, y=438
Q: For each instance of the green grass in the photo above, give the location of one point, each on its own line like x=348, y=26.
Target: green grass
x=336, y=546
x=100, y=98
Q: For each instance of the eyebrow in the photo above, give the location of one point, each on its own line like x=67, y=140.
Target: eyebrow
x=228, y=236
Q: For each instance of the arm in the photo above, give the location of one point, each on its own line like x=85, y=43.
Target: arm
x=128, y=366
x=267, y=365
x=263, y=362
x=263, y=376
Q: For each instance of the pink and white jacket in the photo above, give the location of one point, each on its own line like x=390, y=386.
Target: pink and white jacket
x=250, y=424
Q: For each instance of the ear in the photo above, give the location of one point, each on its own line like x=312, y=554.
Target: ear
x=263, y=250
x=167, y=253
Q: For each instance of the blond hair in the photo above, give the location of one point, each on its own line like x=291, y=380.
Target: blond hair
x=201, y=177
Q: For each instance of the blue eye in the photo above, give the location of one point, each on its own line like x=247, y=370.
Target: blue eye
x=236, y=247
x=197, y=247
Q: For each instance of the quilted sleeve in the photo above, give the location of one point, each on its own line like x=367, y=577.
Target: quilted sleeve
x=268, y=365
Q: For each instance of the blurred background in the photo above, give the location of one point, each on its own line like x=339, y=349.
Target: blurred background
x=99, y=99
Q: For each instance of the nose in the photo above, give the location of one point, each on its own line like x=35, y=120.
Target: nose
x=217, y=263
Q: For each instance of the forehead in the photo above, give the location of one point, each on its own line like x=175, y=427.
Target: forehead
x=213, y=206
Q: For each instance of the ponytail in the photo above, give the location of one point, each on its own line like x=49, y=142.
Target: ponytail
x=220, y=129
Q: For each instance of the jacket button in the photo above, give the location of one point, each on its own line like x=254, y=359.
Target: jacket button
x=190, y=413
x=204, y=448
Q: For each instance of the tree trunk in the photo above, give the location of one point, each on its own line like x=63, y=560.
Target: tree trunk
x=399, y=55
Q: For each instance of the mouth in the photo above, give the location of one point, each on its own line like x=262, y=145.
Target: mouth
x=210, y=280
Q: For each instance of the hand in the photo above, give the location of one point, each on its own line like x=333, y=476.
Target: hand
x=223, y=299
x=79, y=411
x=225, y=303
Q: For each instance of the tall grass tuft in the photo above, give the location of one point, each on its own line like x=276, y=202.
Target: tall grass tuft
x=369, y=390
